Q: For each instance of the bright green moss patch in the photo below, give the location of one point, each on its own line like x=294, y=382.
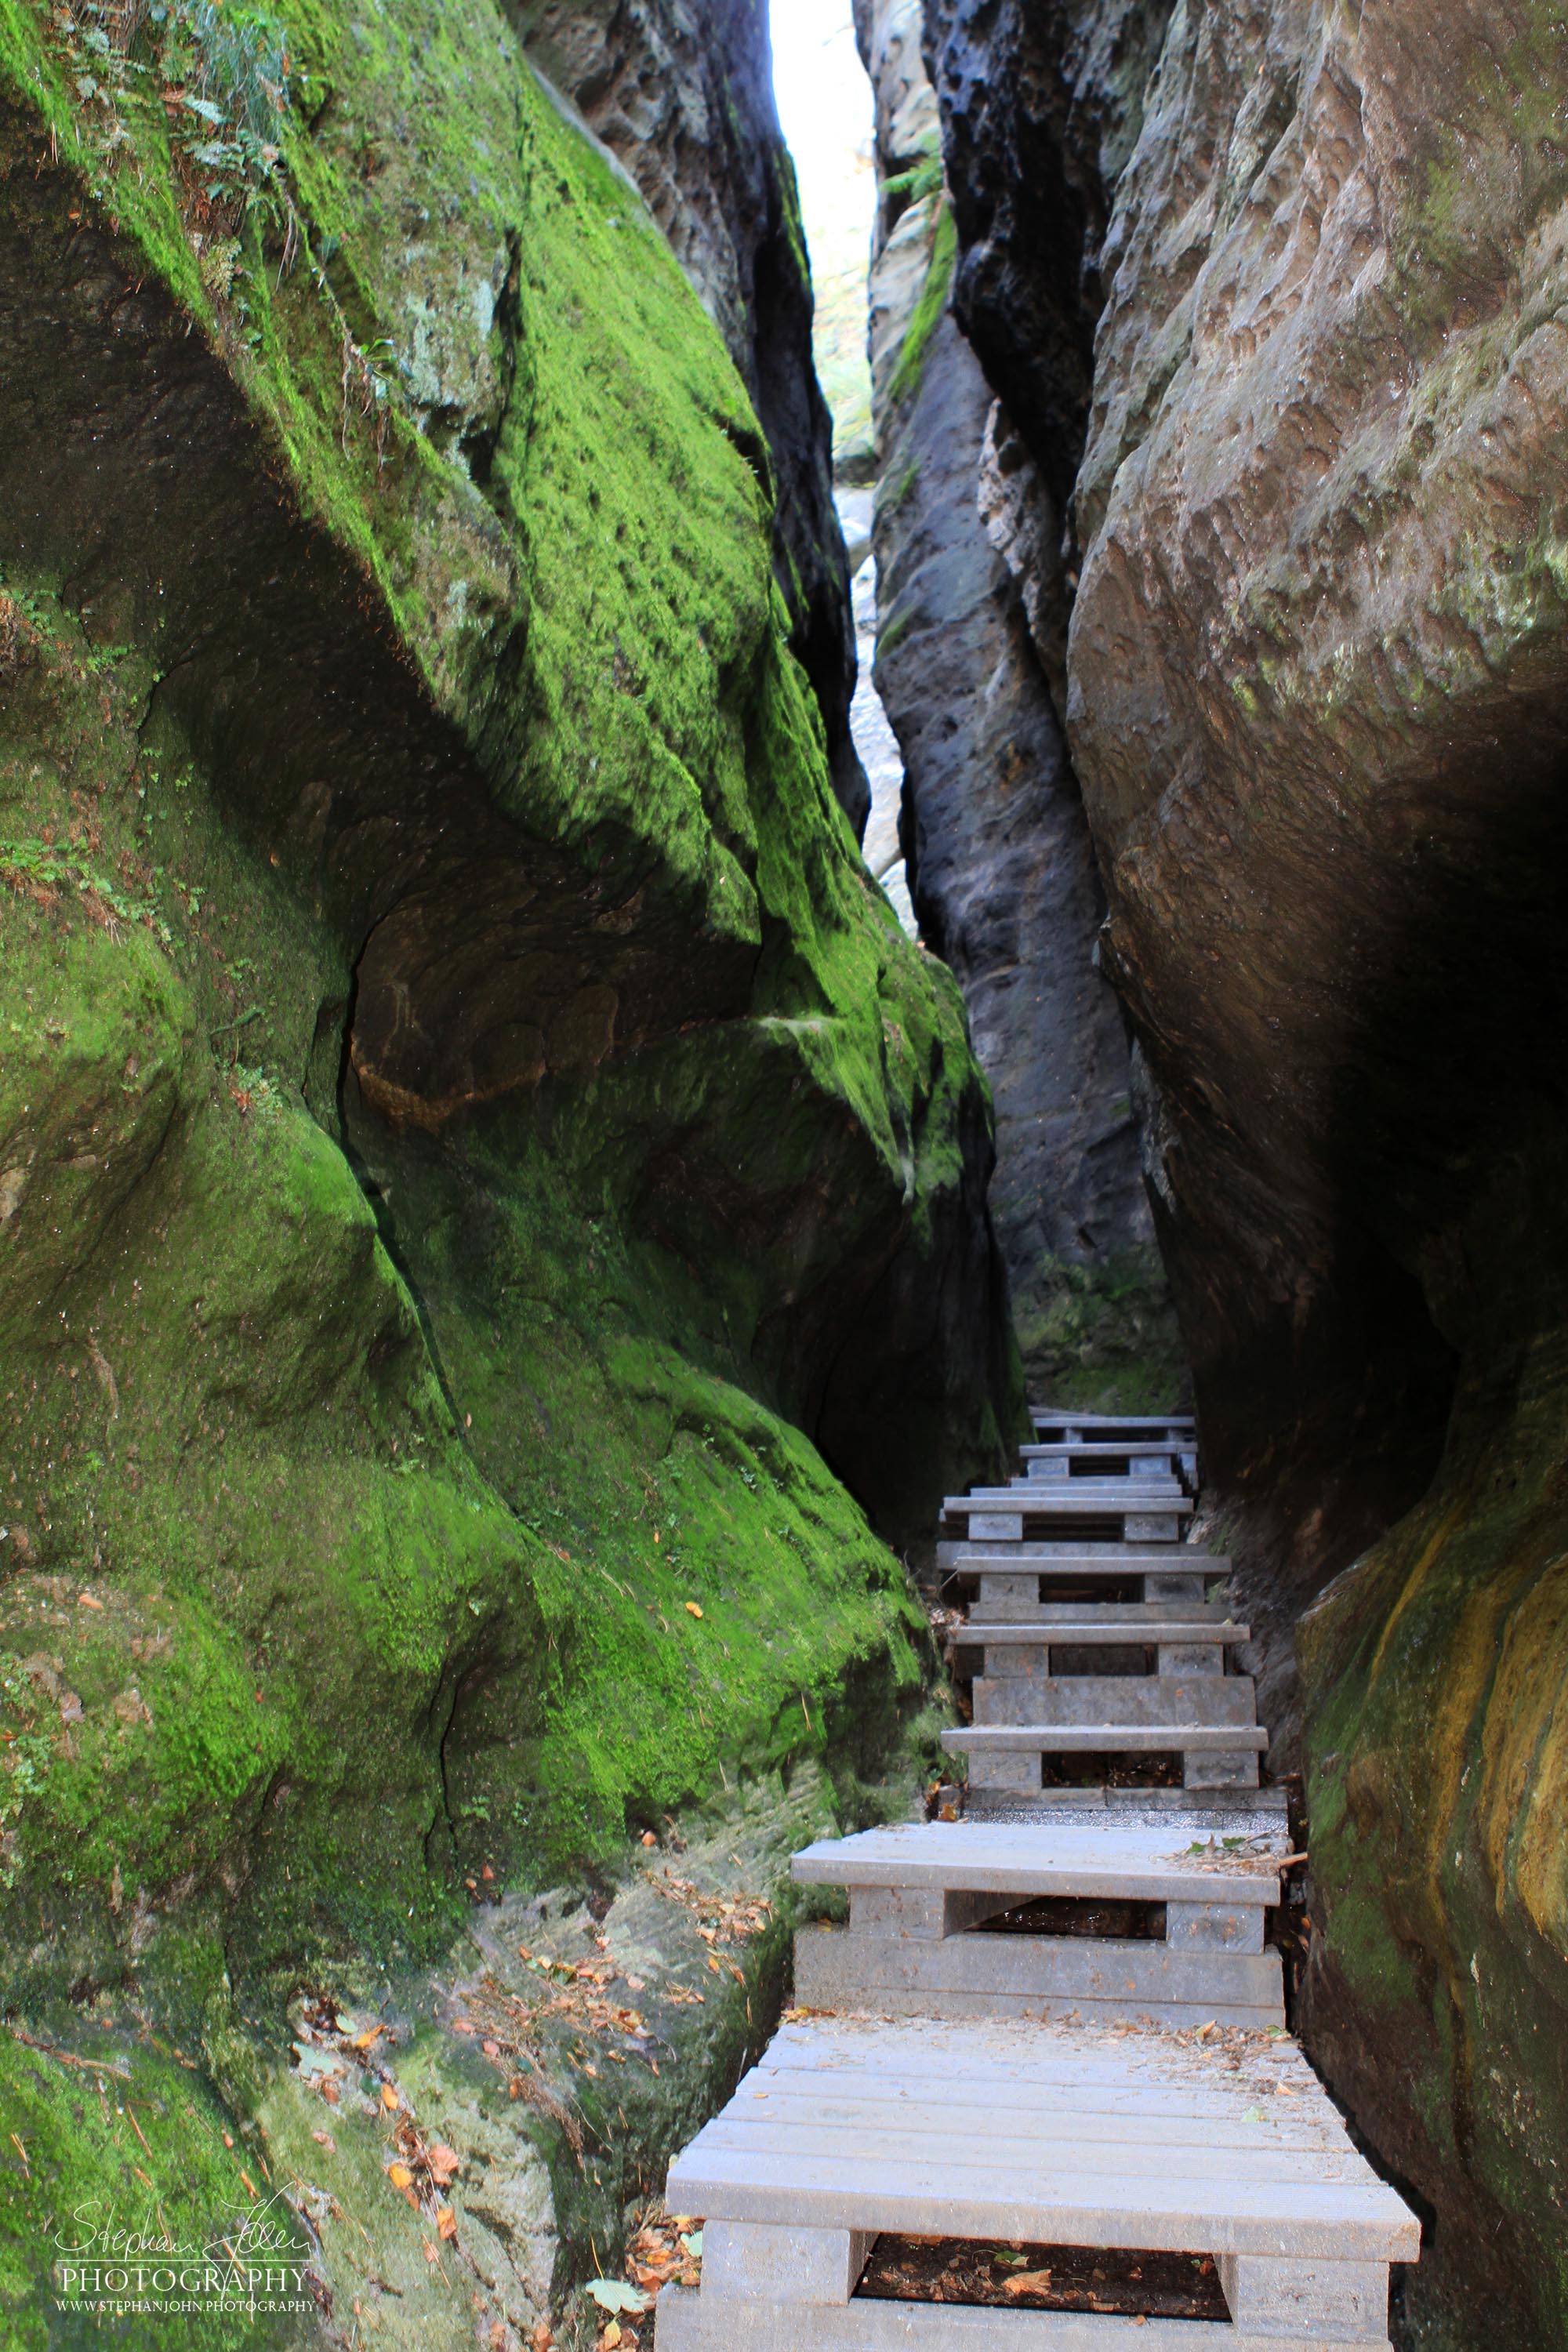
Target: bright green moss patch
x=932, y=302
x=106, y=2136
x=463, y=1099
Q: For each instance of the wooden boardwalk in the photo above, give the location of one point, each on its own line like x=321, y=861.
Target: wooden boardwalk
x=1058, y=2022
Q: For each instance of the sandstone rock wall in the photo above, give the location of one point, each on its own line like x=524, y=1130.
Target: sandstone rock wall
x=475, y=1148
x=681, y=91
x=996, y=843
x=1318, y=672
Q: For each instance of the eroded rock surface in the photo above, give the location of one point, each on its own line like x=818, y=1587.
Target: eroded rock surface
x=996, y=843
x=681, y=93
x=475, y=1146
x=1319, y=675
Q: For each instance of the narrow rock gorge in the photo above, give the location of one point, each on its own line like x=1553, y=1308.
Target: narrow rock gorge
x=506, y=1241
x=996, y=842
x=1272, y=294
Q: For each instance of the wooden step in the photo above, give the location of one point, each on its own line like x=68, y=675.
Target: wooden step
x=1115, y=1422
x=1129, y=1461
x=1142, y=1482
x=1079, y=1489
x=1007, y=1755
x=1121, y=1702
x=1107, y=1738
x=1052, y=2134
x=1102, y=1630
x=1037, y=1977
x=1077, y=1558
x=1277, y=2173
x=1001, y=1512
x=917, y=1943
x=1225, y=1808
x=1154, y=1617
x=1141, y=1862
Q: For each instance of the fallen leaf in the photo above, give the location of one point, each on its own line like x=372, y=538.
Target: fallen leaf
x=445, y=2221
x=445, y=2162
x=463, y=2025
x=400, y=2176
x=617, y=2294
x=648, y=1838
x=86, y=1601
x=325, y=2139
x=1027, y=2283
x=364, y=2040
x=388, y=2097
x=611, y=2334
x=692, y=1609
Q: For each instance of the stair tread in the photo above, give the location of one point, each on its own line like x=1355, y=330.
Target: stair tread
x=1152, y=1738
x=1038, y=1413
x=1157, y=2191
x=1096, y=1559
x=1038, y=1498
x=1141, y=1861
x=1089, y=1633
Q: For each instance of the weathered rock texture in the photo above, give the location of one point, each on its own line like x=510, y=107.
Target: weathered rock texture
x=681, y=93
x=995, y=839
x=475, y=1146
x=1318, y=677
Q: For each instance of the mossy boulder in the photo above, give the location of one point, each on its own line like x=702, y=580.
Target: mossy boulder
x=480, y=1164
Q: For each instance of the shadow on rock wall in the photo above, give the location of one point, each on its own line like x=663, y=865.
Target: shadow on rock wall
x=1318, y=689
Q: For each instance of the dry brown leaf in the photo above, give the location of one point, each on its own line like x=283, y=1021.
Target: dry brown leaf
x=388, y=2097
x=1027, y=2283
x=400, y=2176
x=445, y=2221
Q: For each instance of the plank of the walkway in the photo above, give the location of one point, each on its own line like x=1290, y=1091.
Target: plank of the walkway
x=1059, y=2204
x=1141, y=1862
x=1073, y=2116
x=1095, y=1633
x=1117, y=1738
x=1054, y=1414
x=1097, y=1493
x=1102, y=1560
x=1121, y=2162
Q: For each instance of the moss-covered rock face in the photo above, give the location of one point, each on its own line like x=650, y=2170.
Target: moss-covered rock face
x=474, y=1145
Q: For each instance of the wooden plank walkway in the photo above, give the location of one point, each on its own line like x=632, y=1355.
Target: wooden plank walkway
x=1054, y=2031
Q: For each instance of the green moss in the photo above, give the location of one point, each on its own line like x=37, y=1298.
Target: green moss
x=429, y=1452
x=108, y=2133
x=929, y=309
x=1102, y=1336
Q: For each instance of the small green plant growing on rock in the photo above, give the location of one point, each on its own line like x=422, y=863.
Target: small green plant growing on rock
x=220, y=75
